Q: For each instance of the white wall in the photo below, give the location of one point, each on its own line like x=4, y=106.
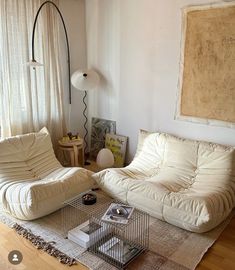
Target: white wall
x=135, y=45
x=74, y=16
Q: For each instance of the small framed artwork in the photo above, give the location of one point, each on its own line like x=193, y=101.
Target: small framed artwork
x=99, y=128
x=117, y=145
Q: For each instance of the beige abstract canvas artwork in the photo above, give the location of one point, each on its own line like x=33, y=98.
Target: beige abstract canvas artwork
x=207, y=86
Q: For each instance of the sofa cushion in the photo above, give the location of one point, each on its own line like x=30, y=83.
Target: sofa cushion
x=188, y=183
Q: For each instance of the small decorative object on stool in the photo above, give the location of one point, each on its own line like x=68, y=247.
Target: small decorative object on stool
x=71, y=136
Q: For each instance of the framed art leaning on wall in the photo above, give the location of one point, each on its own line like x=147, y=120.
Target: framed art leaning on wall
x=99, y=128
x=117, y=145
x=207, y=68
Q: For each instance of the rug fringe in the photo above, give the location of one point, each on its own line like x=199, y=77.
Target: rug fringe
x=48, y=247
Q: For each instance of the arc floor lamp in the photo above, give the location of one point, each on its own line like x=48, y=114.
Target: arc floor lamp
x=33, y=62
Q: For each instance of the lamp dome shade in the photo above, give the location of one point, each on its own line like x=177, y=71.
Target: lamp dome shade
x=85, y=79
x=105, y=158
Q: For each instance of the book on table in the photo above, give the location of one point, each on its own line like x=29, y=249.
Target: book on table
x=118, y=213
x=86, y=233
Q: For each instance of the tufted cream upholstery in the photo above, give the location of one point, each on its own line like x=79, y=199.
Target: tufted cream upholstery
x=190, y=184
x=32, y=181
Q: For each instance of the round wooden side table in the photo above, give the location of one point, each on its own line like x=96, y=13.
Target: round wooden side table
x=76, y=151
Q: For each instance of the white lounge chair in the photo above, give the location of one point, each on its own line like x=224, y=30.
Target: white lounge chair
x=32, y=181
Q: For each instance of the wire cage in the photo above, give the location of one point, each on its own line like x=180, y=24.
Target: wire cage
x=119, y=244
x=114, y=242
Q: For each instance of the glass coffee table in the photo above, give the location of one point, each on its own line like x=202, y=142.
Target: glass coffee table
x=116, y=243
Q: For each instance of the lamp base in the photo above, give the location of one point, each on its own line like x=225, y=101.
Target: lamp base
x=86, y=155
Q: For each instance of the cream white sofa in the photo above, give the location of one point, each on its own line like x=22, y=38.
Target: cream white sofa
x=190, y=184
x=32, y=181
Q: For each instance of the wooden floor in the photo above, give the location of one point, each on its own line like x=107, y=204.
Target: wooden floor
x=33, y=259
x=221, y=256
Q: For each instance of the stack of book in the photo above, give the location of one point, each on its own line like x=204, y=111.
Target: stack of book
x=85, y=234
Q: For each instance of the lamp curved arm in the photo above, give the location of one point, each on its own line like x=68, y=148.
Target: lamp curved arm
x=66, y=36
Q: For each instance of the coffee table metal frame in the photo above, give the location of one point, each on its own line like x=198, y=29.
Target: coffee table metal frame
x=122, y=243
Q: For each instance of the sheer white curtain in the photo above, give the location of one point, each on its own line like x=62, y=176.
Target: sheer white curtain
x=30, y=99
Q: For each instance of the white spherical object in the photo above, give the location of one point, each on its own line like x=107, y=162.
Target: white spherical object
x=105, y=158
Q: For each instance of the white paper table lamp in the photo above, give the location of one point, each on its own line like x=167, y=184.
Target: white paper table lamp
x=105, y=158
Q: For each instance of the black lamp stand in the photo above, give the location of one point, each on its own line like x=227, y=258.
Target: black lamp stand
x=66, y=35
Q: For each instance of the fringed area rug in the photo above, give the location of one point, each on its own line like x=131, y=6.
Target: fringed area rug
x=170, y=247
